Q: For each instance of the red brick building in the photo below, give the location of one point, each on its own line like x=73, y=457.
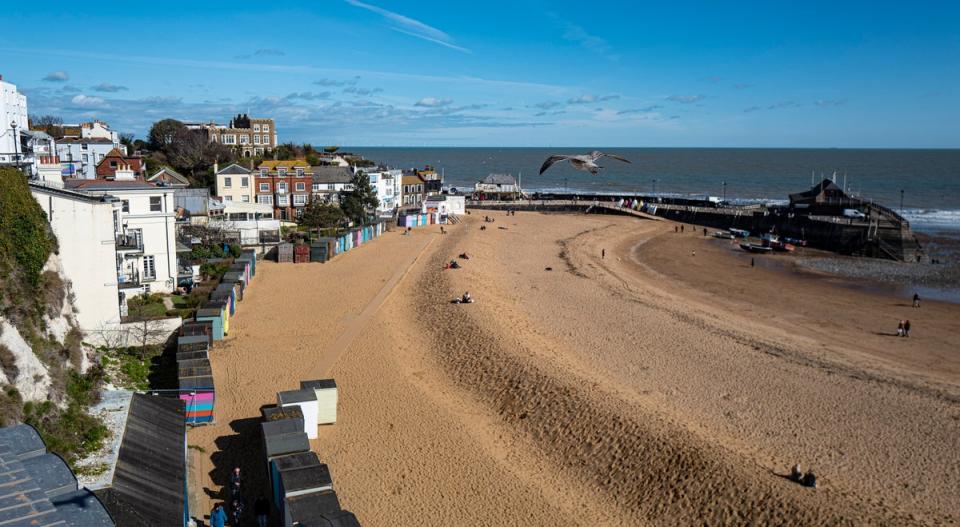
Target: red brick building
x=114, y=160
x=285, y=184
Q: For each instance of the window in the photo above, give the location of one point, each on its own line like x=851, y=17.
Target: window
x=299, y=172
x=84, y=158
x=125, y=205
x=228, y=198
x=282, y=187
x=283, y=201
x=244, y=182
x=299, y=213
x=256, y=139
x=266, y=139
x=266, y=128
x=331, y=186
x=149, y=268
x=245, y=199
x=263, y=172
x=299, y=200
x=301, y=186
x=281, y=171
x=229, y=139
x=227, y=182
x=316, y=187
x=265, y=199
x=264, y=187
x=256, y=128
x=244, y=139
x=113, y=164
x=156, y=204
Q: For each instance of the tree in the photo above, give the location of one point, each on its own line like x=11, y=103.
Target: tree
x=361, y=201
x=50, y=124
x=163, y=132
x=321, y=215
x=127, y=140
x=192, y=152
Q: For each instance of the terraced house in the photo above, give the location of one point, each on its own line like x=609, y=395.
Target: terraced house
x=249, y=136
x=285, y=184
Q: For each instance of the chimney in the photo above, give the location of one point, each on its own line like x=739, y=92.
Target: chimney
x=216, y=167
x=124, y=173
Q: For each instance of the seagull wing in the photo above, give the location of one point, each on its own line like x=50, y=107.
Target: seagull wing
x=618, y=158
x=550, y=161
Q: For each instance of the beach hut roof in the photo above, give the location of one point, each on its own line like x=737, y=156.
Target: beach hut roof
x=24, y=441
x=149, y=478
x=313, y=509
x=319, y=384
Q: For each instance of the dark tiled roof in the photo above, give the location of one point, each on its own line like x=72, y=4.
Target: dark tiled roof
x=328, y=174
x=499, y=179
x=148, y=483
x=234, y=168
x=105, y=184
x=80, y=140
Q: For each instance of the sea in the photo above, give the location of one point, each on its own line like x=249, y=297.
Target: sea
x=924, y=184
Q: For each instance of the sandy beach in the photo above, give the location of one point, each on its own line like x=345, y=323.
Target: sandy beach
x=650, y=386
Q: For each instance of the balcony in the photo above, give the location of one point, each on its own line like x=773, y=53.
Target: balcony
x=129, y=243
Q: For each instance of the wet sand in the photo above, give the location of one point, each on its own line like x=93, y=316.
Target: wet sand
x=648, y=387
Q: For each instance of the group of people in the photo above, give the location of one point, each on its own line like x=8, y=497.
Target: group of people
x=807, y=480
x=219, y=516
x=903, y=329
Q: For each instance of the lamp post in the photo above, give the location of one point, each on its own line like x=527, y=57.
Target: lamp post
x=16, y=144
x=901, y=202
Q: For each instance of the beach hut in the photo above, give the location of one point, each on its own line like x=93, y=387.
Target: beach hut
x=310, y=509
x=278, y=413
x=301, y=481
x=323, y=249
x=251, y=258
x=198, y=396
x=222, y=304
x=193, y=343
x=242, y=267
x=194, y=368
x=194, y=327
x=226, y=293
x=307, y=401
x=283, y=444
x=212, y=313
x=274, y=429
x=235, y=277
x=285, y=253
x=191, y=355
x=325, y=391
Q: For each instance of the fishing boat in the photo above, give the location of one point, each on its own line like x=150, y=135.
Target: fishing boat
x=739, y=233
x=723, y=235
x=774, y=242
x=754, y=248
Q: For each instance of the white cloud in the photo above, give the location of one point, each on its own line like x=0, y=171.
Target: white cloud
x=86, y=101
x=433, y=102
x=685, y=99
x=412, y=27
x=57, y=76
x=109, y=88
x=590, y=98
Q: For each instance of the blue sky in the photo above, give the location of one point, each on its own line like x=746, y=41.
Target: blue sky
x=519, y=73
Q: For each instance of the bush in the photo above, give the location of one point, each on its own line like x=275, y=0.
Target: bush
x=72, y=433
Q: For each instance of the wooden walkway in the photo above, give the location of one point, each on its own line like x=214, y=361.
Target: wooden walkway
x=586, y=207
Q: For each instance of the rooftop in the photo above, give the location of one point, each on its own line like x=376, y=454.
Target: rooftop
x=107, y=185
x=331, y=174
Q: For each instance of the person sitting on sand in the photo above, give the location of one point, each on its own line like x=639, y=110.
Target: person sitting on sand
x=900, y=329
x=810, y=480
x=796, y=474
x=454, y=264
x=467, y=299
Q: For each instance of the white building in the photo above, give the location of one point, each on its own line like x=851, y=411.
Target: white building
x=86, y=230
x=388, y=186
x=497, y=186
x=446, y=205
x=254, y=222
x=329, y=181
x=234, y=183
x=98, y=130
x=79, y=156
x=13, y=120
x=146, y=251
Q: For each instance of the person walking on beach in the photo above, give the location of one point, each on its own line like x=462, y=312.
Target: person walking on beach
x=681, y=228
x=218, y=517
x=900, y=329
x=906, y=328
x=603, y=253
x=676, y=228
x=262, y=510
x=916, y=300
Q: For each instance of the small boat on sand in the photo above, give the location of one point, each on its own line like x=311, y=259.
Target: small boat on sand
x=739, y=233
x=723, y=235
x=754, y=248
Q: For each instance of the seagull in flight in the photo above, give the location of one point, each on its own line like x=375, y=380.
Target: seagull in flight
x=584, y=162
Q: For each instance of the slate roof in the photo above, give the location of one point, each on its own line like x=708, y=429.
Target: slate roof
x=329, y=174
x=234, y=168
x=172, y=173
x=106, y=184
x=500, y=179
x=38, y=490
x=148, y=482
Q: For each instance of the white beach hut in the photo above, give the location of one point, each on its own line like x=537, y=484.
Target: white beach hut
x=307, y=401
x=326, y=392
